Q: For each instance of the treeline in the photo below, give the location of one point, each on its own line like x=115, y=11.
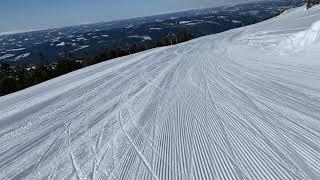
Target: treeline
x=311, y=3
x=13, y=79
x=255, y=21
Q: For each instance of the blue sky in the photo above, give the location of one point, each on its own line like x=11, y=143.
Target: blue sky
x=17, y=15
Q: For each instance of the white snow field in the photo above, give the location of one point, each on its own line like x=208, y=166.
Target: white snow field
x=243, y=104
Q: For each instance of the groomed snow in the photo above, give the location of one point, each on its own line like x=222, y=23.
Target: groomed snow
x=226, y=106
x=304, y=39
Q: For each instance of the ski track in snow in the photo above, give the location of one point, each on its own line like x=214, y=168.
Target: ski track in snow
x=212, y=108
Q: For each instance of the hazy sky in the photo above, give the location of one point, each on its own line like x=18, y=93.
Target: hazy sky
x=17, y=15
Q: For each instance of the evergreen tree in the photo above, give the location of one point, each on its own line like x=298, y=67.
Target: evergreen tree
x=311, y=3
x=42, y=59
x=5, y=70
x=7, y=85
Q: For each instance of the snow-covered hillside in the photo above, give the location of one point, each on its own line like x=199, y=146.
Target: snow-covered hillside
x=244, y=104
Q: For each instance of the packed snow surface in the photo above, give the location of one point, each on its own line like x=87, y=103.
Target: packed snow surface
x=226, y=106
x=304, y=39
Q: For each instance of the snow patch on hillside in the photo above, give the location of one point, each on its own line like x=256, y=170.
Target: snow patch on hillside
x=155, y=28
x=21, y=56
x=80, y=47
x=18, y=49
x=146, y=37
x=185, y=22
x=61, y=44
x=6, y=56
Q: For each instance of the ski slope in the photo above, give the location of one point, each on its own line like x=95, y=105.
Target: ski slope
x=243, y=104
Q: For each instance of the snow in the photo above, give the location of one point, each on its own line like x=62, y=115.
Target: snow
x=21, y=56
x=193, y=24
x=128, y=27
x=225, y=106
x=14, y=32
x=80, y=47
x=304, y=39
x=236, y=21
x=61, y=44
x=185, y=22
x=81, y=39
x=5, y=56
x=56, y=39
x=146, y=37
x=14, y=50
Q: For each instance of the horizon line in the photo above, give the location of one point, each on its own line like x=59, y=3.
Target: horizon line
x=13, y=32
